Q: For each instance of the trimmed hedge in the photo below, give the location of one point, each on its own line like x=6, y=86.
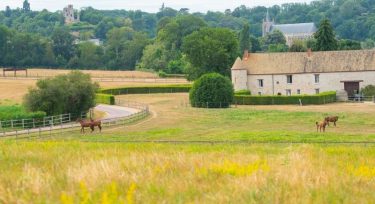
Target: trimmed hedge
x=242, y=93
x=323, y=98
x=105, y=99
x=183, y=88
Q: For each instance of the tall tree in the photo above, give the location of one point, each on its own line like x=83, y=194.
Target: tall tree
x=276, y=37
x=245, y=38
x=63, y=43
x=26, y=6
x=210, y=50
x=325, y=37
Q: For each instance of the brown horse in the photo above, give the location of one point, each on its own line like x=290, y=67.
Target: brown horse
x=332, y=119
x=321, y=126
x=95, y=123
x=84, y=124
x=91, y=124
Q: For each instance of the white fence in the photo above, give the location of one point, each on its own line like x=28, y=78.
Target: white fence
x=18, y=124
x=64, y=126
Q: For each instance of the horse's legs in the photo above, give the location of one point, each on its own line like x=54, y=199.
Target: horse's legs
x=334, y=123
x=92, y=128
x=100, y=128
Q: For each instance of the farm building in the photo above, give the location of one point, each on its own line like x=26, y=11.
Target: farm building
x=304, y=73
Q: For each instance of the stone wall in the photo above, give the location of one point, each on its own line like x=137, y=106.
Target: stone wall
x=239, y=80
x=274, y=84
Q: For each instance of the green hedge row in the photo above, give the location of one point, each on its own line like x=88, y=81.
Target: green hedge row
x=105, y=99
x=323, y=98
x=183, y=88
x=18, y=112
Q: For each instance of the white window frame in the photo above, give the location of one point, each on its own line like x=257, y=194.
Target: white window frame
x=316, y=76
x=260, y=83
x=289, y=77
x=288, y=92
x=317, y=91
x=299, y=91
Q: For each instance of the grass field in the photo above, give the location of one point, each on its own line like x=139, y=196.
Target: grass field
x=74, y=172
x=108, y=168
x=172, y=120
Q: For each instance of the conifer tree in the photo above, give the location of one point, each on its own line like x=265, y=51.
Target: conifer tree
x=245, y=38
x=325, y=37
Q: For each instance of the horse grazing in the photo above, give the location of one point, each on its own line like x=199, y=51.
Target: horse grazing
x=332, y=119
x=91, y=124
x=321, y=126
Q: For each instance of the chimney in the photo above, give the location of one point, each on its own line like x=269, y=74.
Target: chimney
x=309, y=52
x=245, y=55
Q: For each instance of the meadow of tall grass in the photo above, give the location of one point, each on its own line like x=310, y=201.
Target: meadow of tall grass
x=77, y=172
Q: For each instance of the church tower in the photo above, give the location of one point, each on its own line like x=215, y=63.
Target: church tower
x=267, y=25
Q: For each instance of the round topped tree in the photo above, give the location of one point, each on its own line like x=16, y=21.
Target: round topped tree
x=212, y=91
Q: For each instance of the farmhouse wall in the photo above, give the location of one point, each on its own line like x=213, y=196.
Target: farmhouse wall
x=274, y=84
x=239, y=79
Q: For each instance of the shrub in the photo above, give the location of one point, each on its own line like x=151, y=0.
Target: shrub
x=212, y=91
x=368, y=91
x=242, y=93
x=179, y=88
x=71, y=93
x=162, y=74
x=105, y=99
x=323, y=98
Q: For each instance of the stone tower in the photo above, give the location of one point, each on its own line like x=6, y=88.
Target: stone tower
x=267, y=25
x=69, y=15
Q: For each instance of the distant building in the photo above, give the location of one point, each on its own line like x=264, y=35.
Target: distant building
x=304, y=73
x=70, y=15
x=292, y=32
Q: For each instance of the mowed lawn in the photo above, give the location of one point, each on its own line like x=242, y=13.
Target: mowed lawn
x=77, y=172
x=172, y=120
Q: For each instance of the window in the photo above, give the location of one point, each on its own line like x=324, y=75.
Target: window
x=298, y=91
x=260, y=83
x=288, y=92
x=317, y=91
x=289, y=79
x=317, y=78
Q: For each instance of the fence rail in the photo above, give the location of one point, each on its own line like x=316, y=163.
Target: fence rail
x=108, y=79
x=61, y=128
x=362, y=99
x=18, y=124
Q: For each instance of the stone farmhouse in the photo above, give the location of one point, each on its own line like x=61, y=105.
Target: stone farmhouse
x=304, y=73
x=292, y=32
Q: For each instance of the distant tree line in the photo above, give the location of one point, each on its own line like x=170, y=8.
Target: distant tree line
x=174, y=41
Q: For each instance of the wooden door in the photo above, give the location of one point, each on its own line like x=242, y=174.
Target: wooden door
x=351, y=88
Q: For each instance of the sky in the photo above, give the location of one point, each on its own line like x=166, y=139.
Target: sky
x=146, y=5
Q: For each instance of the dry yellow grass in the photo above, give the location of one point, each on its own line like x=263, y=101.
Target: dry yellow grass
x=72, y=172
x=93, y=73
x=15, y=89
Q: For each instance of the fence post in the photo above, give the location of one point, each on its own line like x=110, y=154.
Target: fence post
x=23, y=123
x=69, y=117
x=373, y=99
x=1, y=125
x=11, y=123
x=33, y=122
